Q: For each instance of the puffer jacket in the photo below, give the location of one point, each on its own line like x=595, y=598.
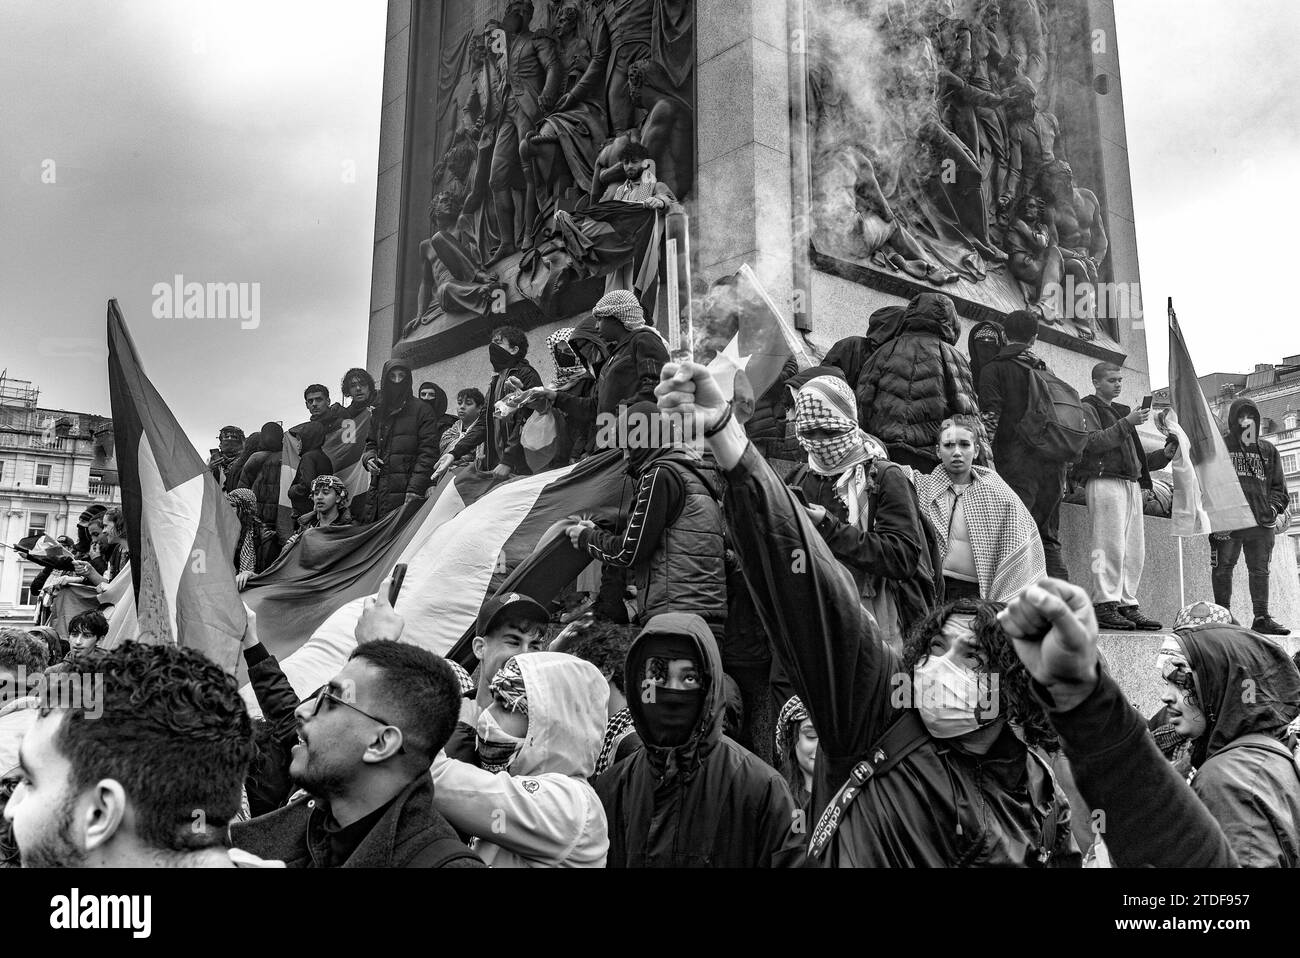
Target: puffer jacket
x=261, y=474
x=553, y=817
x=1258, y=466
x=939, y=806
x=706, y=804
x=915, y=381
x=687, y=572
x=1246, y=771
x=405, y=436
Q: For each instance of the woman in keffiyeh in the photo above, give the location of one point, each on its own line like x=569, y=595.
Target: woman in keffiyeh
x=796, y=750
x=249, y=552
x=571, y=379
x=864, y=507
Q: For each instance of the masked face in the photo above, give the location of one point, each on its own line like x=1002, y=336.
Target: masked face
x=496, y=745
x=954, y=692
x=1178, y=692
x=672, y=696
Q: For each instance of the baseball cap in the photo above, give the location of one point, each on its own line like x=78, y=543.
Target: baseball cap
x=513, y=603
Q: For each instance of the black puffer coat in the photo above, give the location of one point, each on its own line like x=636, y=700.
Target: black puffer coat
x=261, y=474
x=706, y=804
x=404, y=435
x=915, y=381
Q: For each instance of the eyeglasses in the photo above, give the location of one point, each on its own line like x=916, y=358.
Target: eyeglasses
x=323, y=695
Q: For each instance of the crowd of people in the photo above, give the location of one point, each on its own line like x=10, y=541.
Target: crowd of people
x=832, y=626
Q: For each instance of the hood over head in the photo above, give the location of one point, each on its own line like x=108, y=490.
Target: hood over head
x=439, y=401
x=587, y=335
x=1245, y=683
x=393, y=396
x=982, y=345
x=567, y=712
x=883, y=325
x=849, y=355
x=1235, y=411
x=933, y=313
x=272, y=434
x=311, y=435
x=691, y=630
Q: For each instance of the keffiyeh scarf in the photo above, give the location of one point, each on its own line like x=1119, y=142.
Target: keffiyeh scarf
x=507, y=686
x=827, y=402
x=563, y=374
x=787, y=727
x=620, y=724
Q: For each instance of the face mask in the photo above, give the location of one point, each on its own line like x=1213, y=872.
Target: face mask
x=499, y=356
x=952, y=700
x=672, y=715
x=496, y=747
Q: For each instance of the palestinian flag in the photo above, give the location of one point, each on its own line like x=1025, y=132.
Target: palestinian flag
x=762, y=341
x=1207, y=494
x=343, y=445
x=180, y=529
x=458, y=554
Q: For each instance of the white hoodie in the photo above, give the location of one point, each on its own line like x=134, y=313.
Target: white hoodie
x=541, y=813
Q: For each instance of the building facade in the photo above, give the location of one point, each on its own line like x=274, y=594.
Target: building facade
x=54, y=465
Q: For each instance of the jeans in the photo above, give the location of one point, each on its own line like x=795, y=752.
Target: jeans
x=1039, y=485
x=1258, y=546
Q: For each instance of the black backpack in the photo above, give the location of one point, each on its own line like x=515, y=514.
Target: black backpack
x=1054, y=425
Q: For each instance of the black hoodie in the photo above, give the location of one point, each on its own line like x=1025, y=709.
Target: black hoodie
x=708, y=803
x=1258, y=466
x=1249, y=690
x=404, y=434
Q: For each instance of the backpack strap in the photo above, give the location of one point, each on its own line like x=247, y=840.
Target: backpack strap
x=903, y=737
x=440, y=852
x=1263, y=743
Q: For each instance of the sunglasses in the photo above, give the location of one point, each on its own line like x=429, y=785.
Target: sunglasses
x=323, y=695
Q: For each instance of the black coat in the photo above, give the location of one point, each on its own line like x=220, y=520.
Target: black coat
x=405, y=437
x=629, y=375
x=706, y=804
x=261, y=474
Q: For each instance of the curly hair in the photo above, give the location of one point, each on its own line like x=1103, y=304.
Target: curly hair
x=603, y=644
x=997, y=655
x=169, y=725
x=18, y=650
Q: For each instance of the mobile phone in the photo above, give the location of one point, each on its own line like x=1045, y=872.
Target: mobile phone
x=1146, y=402
x=395, y=587
x=799, y=494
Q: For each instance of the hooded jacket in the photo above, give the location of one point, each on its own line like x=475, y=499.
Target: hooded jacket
x=630, y=373
x=261, y=474
x=983, y=344
x=554, y=819
x=1259, y=467
x=1249, y=690
x=708, y=803
x=939, y=806
x=404, y=434
x=912, y=383
x=1004, y=399
x=313, y=462
x=500, y=436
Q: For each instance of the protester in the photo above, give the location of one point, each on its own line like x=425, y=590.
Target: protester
x=85, y=631
x=769, y=429
x=849, y=355
x=230, y=445
x=255, y=547
x=983, y=344
x=329, y=498
x=987, y=538
x=252, y=445
x=436, y=397
x=1233, y=694
x=313, y=462
x=574, y=440
x=470, y=410
x=537, y=745
x=58, y=647
x=605, y=646
x=915, y=381
x=22, y=660
x=671, y=539
x=503, y=420
x=796, y=750
x=372, y=800
x=691, y=797
x=114, y=553
x=622, y=352
x=144, y=772
x=262, y=475
x=1113, y=471
x=966, y=789
x=317, y=400
x=1004, y=390
x=1259, y=470
x=864, y=507
x=359, y=389
x=402, y=447
x=507, y=625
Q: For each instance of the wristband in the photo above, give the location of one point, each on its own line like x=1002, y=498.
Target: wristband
x=719, y=425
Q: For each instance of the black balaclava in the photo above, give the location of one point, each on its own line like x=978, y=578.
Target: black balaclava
x=394, y=395
x=500, y=357
x=670, y=714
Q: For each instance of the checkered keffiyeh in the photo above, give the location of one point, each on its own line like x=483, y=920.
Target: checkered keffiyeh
x=787, y=726
x=615, y=731
x=467, y=689
x=1003, y=536
x=622, y=305
x=1201, y=613
x=508, y=687
x=827, y=403
x=563, y=374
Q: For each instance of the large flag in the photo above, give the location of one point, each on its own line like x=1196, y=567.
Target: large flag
x=763, y=342
x=343, y=446
x=1207, y=493
x=180, y=529
x=461, y=554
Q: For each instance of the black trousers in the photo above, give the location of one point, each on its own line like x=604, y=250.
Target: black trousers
x=1039, y=485
x=1258, y=546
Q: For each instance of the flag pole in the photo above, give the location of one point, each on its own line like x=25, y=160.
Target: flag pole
x=1182, y=592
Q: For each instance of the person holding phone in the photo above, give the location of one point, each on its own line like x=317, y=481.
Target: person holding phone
x=1114, y=470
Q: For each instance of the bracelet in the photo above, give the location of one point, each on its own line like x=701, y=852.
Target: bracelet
x=719, y=425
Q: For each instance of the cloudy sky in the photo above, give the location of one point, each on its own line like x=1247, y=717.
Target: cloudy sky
x=236, y=141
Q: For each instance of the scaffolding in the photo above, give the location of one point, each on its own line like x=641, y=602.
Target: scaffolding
x=17, y=392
